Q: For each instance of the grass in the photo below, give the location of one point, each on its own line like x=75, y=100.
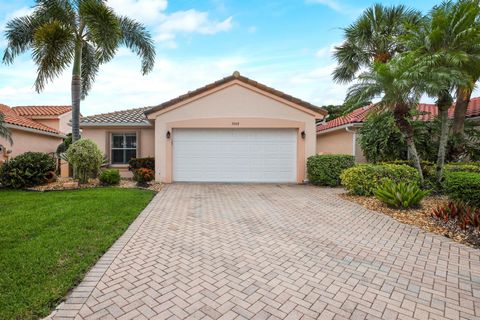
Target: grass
x=48, y=241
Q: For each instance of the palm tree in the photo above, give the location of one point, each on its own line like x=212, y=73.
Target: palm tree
x=472, y=68
x=4, y=131
x=441, y=47
x=393, y=82
x=373, y=37
x=80, y=33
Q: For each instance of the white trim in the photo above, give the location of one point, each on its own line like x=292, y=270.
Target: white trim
x=14, y=126
x=344, y=126
x=354, y=144
x=116, y=124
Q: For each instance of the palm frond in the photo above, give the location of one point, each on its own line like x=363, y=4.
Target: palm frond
x=52, y=51
x=102, y=28
x=59, y=10
x=4, y=131
x=90, y=67
x=19, y=34
x=135, y=37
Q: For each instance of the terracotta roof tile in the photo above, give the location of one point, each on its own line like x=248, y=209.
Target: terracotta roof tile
x=130, y=117
x=236, y=76
x=41, y=110
x=11, y=117
x=427, y=112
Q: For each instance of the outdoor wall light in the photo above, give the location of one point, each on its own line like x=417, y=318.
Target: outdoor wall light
x=168, y=135
x=303, y=134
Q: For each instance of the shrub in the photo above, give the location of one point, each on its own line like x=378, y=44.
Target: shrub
x=465, y=167
x=109, y=177
x=137, y=163
x=429, y=172
x=67, y=142
x=400, y=195
x=464, y=215
x=364, y=179
x=27, y=170
x=463, y=186
x=143, y=175
x=85, y=157
x=325, y=169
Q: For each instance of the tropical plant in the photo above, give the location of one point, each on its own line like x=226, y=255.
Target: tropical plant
x=401, y=194
x=27, y=170
x=373, y=38
x=137, y=163
x=325, y=169
x=4, y=131
x=464, y=215
x=143, y=176
x=82, y=33
x=395, y=83
x=109, y=177
x=86, y=159
x=444, y=46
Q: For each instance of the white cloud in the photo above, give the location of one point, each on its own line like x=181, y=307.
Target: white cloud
x=15, y=14
x=338, y=6
x=146, y=11
x=327, y=51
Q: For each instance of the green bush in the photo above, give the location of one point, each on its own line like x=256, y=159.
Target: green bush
x=463, y=186
x=429, y=172
x=137, y=163
x=400, y=195
x=86, y=159
x=27, y=170
x=325, y=169
x=464, y=167
x=110, y=177
x=364, y=179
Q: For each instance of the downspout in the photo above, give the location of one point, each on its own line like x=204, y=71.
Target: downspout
x=354, y=144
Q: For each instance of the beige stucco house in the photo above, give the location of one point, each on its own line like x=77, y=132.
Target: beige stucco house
x=341, y=135
x=232, y=130
x=34, y=128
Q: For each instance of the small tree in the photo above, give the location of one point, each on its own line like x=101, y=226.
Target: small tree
x=86, y=159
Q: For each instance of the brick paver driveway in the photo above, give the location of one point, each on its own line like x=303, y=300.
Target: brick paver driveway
x=277, y=252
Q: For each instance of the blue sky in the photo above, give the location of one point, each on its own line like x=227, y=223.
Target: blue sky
x=285, y=44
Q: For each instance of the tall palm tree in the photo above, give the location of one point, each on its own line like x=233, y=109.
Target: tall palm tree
x=373, y=37
x=441, y=47
x=4, y=131
x=464, y=93
x=394, y=82
x=82, y=34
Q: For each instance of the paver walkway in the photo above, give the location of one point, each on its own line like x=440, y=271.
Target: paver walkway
x=275, y=252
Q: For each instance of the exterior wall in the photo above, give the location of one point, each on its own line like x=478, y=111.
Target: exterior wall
x=60, y=123
x=231, y=107
x=101, y=136
x=52, y=123
x=24, y=141
x=340, y=142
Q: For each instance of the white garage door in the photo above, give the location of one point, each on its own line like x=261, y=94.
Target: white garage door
x=234, y=155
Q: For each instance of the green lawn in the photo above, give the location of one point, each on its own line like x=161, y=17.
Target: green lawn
x=49, y=240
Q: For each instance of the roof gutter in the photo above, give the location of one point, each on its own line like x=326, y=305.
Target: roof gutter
x=116, y=124
x=32, y=130
x=347, y=127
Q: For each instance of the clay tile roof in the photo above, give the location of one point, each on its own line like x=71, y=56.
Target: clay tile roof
x=11, y=117
x=356, y=116
x=130, y=117
x=236, y=76
x=41, y=110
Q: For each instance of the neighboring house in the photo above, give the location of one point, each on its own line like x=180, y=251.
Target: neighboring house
x=341, y=135
x=233, y=130
x=33, y=129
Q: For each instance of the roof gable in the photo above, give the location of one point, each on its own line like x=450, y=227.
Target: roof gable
x=235, y=78
x=11, y=117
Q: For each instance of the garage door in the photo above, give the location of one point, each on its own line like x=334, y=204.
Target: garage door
x=234, y=155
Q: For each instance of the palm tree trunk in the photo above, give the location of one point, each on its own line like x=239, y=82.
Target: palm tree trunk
x=76, y=91
x=461, y=105
x=444, y=103
x=401, y=113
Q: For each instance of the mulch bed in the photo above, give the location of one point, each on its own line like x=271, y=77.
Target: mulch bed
x=70, y=184
x=421, y=217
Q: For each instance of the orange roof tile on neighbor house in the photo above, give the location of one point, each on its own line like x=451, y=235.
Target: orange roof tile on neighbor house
x=11, y=117
x=427, y=112
x=32, y=111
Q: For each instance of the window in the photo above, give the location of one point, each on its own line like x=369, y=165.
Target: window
x=124, y=147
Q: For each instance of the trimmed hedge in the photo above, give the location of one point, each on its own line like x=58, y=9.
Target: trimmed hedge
x=364, y=179
x=463, y=186
x=110, y=177
x=137, y=163
x=463, y=167
x=27, y=170
x=325, y=169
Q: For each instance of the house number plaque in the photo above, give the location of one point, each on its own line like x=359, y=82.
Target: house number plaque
x=235, y=123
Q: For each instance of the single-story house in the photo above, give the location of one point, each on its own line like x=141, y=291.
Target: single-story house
x=232, y=130
x=34, y=128
x=341, y=135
